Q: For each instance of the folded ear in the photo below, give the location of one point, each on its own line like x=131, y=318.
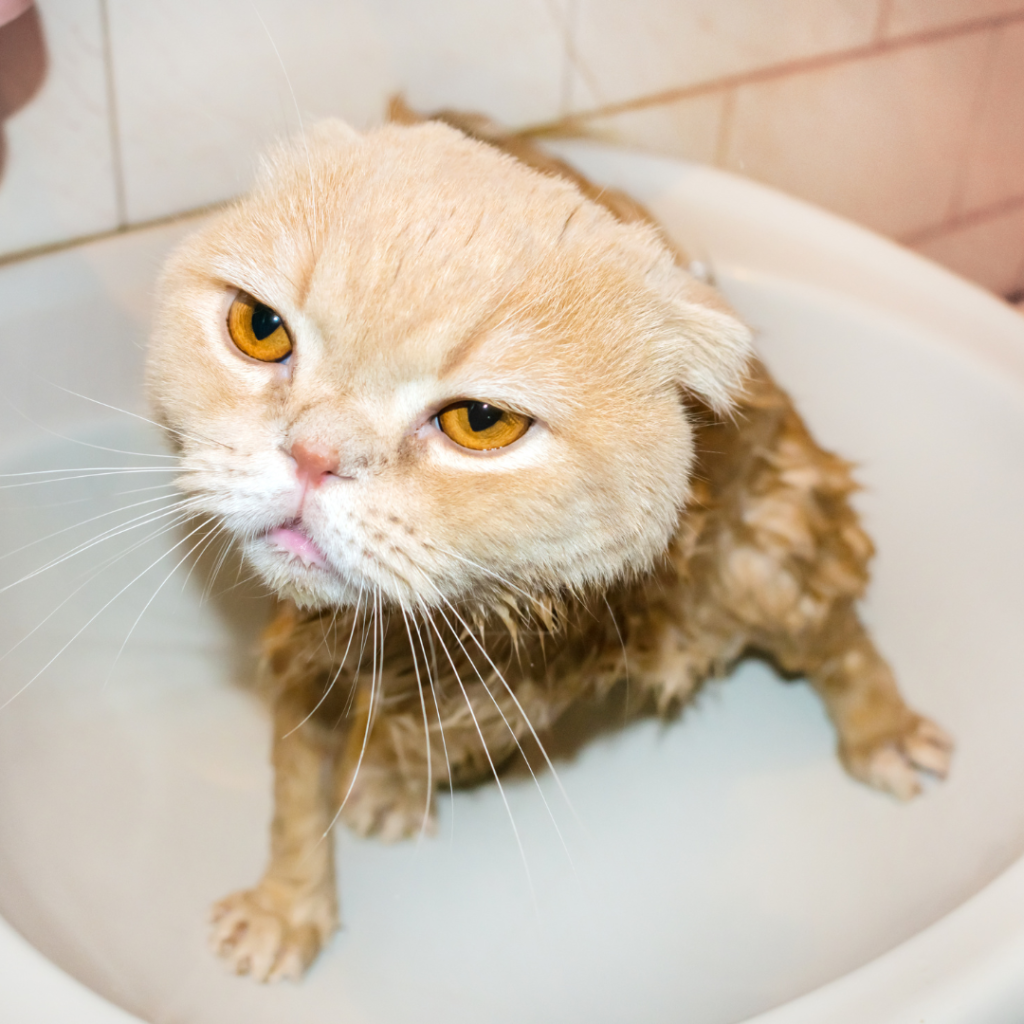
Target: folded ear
x=704, y=346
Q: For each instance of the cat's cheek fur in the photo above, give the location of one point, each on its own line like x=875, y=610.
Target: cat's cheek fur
x=554, y=522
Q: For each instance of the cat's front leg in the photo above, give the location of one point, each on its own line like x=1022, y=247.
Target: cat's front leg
x=882, y=741
x=382, y=783
x=276, y=929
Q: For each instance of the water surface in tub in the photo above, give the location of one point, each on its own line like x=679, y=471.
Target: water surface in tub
x=721, y=864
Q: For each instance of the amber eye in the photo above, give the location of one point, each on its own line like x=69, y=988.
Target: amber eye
x=257, y=330
x=480, y=426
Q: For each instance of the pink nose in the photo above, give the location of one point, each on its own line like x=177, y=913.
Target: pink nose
x=313, y=462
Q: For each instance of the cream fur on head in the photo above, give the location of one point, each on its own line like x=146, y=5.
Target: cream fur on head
x=415, y=266
x=658, y=509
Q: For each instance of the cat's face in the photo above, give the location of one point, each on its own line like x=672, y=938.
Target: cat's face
x=481, y=381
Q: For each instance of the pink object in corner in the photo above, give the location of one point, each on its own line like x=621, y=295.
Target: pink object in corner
x=10, y=9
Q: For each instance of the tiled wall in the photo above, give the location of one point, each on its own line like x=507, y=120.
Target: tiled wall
x=906, y=115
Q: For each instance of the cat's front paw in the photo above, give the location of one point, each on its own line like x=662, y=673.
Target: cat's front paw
x=892, y=763
x=270, y=933
x=388, y=805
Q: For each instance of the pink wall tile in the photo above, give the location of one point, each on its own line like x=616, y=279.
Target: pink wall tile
x=631, y=49
x=995, y=166
x=689, y=129
x=879, y=140
x=990, y=252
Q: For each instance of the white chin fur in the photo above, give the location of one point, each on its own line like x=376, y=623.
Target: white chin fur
x=307, y=585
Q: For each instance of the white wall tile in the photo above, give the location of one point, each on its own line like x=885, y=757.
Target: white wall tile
x=57, y=179
x=995, y=165
x=879, y=140
x=905, y=16
x=689, y=129
x=645, y=46
x=201, y=90
x=989, y=253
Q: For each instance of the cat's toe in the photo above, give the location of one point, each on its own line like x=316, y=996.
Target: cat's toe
x=893, y=763
x=254, y=932
x=929, y=748
x=389, y=806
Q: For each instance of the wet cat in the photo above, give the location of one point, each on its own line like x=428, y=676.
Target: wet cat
x=494, y=448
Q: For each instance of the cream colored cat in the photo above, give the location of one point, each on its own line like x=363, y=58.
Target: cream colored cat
x=492, y=446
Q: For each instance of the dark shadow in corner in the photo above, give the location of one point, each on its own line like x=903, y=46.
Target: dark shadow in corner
x=23, y=66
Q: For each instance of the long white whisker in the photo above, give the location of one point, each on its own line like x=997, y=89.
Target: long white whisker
x=311, y=229
x=515, y=700
x=152, y=598
x=134, y=524
x=490, y=572
x=84, y=469
x=87, y=475
x=440, y=723
x=106, y=564
x=25, y=686
x=369, y=715
x=84, y=522
x=105, y=448
x=508, y=725
x=622, y=643
x=426, y=726
x=490, y=760
x=341, y=665
x=217, y=566
x=221, y=529
x=136, y=416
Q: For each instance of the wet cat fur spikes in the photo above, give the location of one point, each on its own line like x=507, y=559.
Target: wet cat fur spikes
x=492, y=446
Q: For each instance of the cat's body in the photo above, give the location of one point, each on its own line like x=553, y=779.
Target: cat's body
x=660, y=510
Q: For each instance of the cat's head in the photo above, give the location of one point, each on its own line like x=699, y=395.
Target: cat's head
x=407, y=364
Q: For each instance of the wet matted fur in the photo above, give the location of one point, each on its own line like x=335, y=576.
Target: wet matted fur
x=667, y=513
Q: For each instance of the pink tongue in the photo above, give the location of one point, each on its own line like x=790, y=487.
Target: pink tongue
x=284, y=538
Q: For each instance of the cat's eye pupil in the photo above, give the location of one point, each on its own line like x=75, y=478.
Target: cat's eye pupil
x=482, y=416
x=264, y=321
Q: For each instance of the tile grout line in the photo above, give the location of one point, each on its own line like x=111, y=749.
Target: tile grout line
x=725, y=127
x=572, y=122
x=965, y=220
x=24, y=255
x=569, y=55
x=882, y=22
x=577, y=68
x=114, y=120
x=956, y=198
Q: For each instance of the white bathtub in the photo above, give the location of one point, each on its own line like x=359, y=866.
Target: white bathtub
x=723, y=867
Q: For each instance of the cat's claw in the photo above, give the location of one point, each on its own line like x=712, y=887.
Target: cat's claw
x=256, y=933
x=893, y=764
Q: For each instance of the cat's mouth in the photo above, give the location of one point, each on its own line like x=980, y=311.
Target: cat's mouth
x=293, y=564
x=292, y=541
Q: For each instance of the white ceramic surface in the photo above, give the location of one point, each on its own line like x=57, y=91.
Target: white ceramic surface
x=722, y=865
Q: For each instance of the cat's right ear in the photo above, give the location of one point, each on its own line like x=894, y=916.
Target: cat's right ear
x=704, y=346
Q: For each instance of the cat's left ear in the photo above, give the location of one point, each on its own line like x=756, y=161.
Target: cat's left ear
x=703, y=346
